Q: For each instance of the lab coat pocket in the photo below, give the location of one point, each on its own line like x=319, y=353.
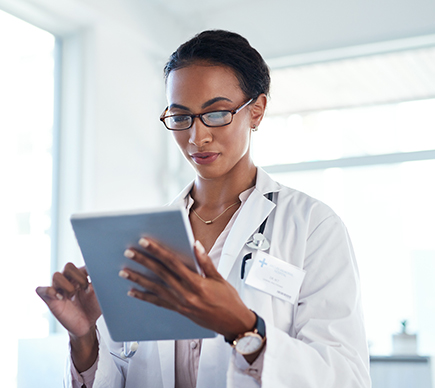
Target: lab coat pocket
x=258, y=301
x=275, y=311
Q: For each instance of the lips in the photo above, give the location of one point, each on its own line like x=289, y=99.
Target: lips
x=204, y=157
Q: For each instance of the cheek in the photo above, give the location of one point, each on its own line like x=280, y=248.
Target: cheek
x=244, y=132
x=181, y=138
x=248, y=141
x=243, y=140
x=237, y=145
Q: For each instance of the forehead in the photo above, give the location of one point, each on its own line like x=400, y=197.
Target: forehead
x=198, y=83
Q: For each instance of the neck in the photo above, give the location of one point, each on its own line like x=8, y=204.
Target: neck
x=215, y=193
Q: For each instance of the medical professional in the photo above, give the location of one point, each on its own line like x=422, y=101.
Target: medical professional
x=280, y=282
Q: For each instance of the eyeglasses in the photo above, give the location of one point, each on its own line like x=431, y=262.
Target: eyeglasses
x=218, y=118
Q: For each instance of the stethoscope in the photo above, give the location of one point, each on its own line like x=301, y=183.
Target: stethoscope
x=129, y=349
x=258, y=242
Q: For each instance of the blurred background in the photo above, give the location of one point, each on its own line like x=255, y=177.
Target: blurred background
x=350, y=121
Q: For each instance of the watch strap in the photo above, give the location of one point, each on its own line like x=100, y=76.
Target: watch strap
x=259, y=327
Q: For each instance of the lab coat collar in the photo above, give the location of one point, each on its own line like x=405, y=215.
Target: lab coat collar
x=264, y=184
x=256, y=209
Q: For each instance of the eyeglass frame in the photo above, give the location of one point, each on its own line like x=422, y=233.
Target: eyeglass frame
x=193, y=117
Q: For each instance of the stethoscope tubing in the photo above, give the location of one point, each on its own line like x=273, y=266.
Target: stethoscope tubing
x=248, y=256
x=129, y=349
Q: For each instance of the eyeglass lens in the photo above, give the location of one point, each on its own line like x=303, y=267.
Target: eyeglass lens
x=211, y=119
x=218, y=118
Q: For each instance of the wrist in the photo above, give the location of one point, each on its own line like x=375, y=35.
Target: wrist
x=84, y=349
x=251, y=342
x=90, y=335
x=247, y=323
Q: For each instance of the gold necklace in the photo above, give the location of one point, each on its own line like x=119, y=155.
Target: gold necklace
x=214, y=219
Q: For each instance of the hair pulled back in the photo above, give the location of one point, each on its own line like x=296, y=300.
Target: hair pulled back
x=219, y=47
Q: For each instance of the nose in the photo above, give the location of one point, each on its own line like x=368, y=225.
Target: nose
x=200, y=134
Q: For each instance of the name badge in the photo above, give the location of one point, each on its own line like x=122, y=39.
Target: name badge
x=276, y=277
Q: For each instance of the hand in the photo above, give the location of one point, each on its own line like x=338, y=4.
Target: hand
x=209, y=300
x=72, y=300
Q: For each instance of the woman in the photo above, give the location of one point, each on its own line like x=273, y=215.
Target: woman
x=217, y=87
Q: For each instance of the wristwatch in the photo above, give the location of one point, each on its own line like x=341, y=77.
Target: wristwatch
x=251, y=341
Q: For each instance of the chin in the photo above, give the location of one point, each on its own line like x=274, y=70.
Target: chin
x=207, y=172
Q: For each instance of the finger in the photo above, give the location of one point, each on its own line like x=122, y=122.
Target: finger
x=150, y=263
x=150, y=298
x=151, y=286
x=167, y=257
x=89, y=286
x=83, y=270
x=62, y=285
x=180, y=294
x=77, y=276
x=204, y=261
x=48, y=294
x=172, y=279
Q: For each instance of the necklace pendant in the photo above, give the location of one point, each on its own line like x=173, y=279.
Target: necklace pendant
x=214, y=219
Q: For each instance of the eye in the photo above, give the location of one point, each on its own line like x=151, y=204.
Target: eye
x=218, y=117
x=179, y=119
x=178, y=122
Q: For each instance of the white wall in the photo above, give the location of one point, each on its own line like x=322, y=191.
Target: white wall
x=289, y=27
x=112, y=145
x=114, y=151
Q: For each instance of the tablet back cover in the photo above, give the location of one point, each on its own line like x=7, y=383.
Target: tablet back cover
x=103, y=238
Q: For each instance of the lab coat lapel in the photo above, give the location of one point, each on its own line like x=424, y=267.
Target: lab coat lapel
x=180, y=198
x=152, y=366
x=167, y=362
x=213, y=363
x=256, y=209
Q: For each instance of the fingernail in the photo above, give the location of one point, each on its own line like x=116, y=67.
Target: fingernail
x=130, y=293
x=199, y=247
x=123, y=274
x=129, y=253
x=144, y=242
x=59, y=296
x=87, y=289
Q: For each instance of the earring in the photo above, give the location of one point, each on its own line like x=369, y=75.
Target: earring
x=254, y=128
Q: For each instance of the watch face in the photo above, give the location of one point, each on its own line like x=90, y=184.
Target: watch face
x=248, y=344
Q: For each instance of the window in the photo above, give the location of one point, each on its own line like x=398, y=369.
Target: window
x=26, y=169
x=359, y=134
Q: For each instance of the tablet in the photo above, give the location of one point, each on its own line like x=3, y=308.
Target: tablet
x=103, y=238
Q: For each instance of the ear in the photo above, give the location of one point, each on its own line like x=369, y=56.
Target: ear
x=258, y=109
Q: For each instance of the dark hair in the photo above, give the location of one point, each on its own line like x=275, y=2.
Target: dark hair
x=218, y=47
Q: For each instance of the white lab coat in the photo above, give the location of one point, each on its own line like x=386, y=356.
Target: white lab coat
x=317, y=342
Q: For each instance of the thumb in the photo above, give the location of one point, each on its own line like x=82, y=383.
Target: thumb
x=204, y=260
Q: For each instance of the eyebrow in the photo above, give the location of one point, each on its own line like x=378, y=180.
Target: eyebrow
x=203, y=106
x=214, y=100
